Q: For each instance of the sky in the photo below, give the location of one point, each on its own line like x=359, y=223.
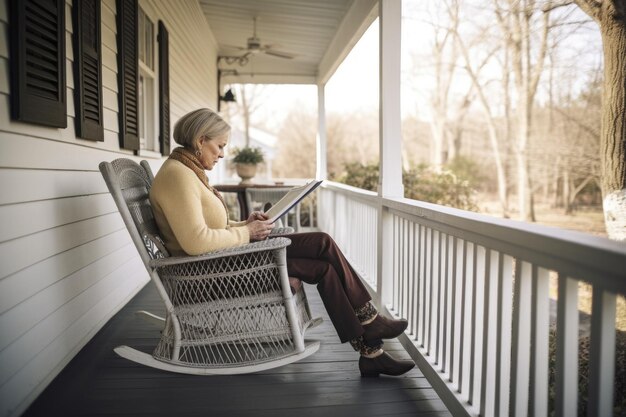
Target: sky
x=354, y=86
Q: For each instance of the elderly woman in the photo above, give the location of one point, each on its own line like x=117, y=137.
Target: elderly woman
x=193, y=219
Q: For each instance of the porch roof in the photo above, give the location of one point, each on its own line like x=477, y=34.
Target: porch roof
x=318, y=34
x=98, y=382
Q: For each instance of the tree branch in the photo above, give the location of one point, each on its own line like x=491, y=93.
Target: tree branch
x=591, y=7
x=593, y=132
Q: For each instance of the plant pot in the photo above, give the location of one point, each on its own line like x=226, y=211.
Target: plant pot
x=246, y=172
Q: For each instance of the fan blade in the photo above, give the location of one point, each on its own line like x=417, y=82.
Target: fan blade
x=240, y=48
x=279, y=54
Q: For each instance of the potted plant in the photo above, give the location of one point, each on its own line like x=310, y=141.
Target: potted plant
x=246, y=160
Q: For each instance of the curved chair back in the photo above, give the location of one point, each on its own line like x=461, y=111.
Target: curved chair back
x=129, y=184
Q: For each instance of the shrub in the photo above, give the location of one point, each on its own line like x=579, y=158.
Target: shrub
x=445, y=188
x=466, y=169
x=361, y=176
x=420, y=183
x=619, y=395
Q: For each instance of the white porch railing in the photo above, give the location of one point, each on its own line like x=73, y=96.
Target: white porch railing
x=476, y=292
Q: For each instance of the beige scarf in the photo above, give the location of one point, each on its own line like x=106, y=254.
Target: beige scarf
x=187, y=157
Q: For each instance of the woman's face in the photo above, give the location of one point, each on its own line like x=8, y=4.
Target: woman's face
x=212, y=150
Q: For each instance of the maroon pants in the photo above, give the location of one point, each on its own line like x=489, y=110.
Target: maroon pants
x=316, y=259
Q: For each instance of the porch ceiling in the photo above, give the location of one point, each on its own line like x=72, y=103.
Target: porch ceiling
x=319, y=34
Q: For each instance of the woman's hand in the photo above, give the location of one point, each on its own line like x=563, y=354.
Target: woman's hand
x=256, y=215
x=259, y=229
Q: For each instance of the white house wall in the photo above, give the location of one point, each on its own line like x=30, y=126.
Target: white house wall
x=67, y=263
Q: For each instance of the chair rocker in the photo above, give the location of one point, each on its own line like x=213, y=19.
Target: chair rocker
x=230, y=311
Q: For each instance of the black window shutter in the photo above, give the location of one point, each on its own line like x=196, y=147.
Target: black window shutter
x=38, y=62
x=128, y=73
x=164, y=90
x=88, y=70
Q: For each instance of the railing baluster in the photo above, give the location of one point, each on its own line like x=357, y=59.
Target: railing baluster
x=422, y=286
x=428, y=295
x=469, y=325
x=487, y=379
x=410, y=244
x=540, y=339
x=397, y=253
x=395, y=278
x=405, y=266
x=417, y=318
x=567, y=348
x=478, y=330
x=503, y=336
x=373, y=220
x=436, y=279
x=400, y=264
x=521, y=338
x=459, y=303
x=443, y=302
x=602, y=354
x=449, y=311
x=412, y=307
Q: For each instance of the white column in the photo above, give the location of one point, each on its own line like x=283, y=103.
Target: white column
x=322, y=164
x=390, y=139
x=390, y=181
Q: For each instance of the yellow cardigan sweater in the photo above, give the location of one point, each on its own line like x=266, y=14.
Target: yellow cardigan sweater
x=191, y=219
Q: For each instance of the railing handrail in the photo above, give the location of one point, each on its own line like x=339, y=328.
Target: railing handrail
x=595, y=259
x=359, y=193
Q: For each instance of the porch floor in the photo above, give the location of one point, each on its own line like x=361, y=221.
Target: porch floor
x=99, y=383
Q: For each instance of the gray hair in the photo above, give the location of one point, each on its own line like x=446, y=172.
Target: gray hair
x=198, y=123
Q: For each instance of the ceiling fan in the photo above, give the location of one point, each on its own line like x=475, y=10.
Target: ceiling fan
x=253, y=47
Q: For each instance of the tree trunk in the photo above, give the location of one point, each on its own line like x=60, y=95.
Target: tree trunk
x=454, y=133
x=556, y=196
x=567, y=191
x=610, y=17
x=517, y=29
x=502, y=188
x=524, y=188
x=244, y=106
x=613, y=131
x=438, y=130
x=491, y=128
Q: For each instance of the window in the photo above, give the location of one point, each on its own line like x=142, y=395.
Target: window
x=38, y=86
x=147, y=82
x=141, y=98
x=87, y=70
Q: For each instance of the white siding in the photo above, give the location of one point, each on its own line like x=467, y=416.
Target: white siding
x=67, y=263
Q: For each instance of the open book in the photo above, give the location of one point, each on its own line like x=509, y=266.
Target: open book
x=293, y=197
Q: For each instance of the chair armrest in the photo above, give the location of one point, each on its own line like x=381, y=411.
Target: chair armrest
x=282, y=231
x=264, y=245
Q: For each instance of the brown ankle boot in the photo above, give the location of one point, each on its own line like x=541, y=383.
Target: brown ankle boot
x=383, y=364
x=384, y=328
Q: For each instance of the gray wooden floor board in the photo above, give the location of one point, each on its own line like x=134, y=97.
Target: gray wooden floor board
x=99, y=383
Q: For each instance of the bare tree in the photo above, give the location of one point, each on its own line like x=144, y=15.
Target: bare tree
x=611, y=18
x=295, y=156
x=448, y=114
x=443, y=52
x=518, y=20
x=250, y=99
x=350, y=138
x=480, y=87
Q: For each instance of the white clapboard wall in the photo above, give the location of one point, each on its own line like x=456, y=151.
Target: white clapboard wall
x=67, y=263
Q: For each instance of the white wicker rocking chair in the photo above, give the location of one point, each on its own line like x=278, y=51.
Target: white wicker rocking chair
x=227, y=312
